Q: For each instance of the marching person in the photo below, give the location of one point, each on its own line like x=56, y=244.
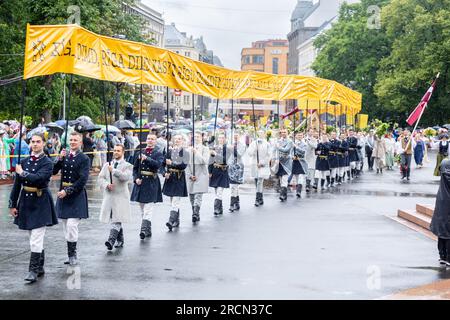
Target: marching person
x=175, y=179
x=379, y=153
x=218, y=172
x=369, y=145
x=283, y=149
x=343, y=158
x=310, y=157
x=333, y=158
x=322, y=163
x=236, y=171
x=147, y=187
x=352, y=153
x=197, y=174
x=405, y=149
x=72, y=202
x=31, y=203
x=443, y=152
x=259, y=152
x=361, y=154
x=389, y=141
x=299, y=165
x=116, y=207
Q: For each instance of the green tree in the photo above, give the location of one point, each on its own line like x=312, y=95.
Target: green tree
x=44, y=94
x=420, y=34
x=349, y=52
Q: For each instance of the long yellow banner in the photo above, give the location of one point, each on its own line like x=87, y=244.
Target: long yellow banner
x=75, y=50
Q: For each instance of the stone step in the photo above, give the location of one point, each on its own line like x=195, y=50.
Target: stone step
x=425, y=209
x=415, y=217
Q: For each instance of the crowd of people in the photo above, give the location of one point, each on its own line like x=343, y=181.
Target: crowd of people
x=189, y=166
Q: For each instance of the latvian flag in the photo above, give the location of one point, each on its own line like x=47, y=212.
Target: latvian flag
x=422, y=104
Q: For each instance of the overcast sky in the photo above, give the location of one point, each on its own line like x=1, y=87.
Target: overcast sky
x=227, y=26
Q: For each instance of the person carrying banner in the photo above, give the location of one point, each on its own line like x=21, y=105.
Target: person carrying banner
x=322, y=162
x=343, y=158
x=283, y=149
x=31, y=203
x=259, y=152
x=310, y=158
x=299, y=165
x=72, y=202
x=236, y=171
x=218, y=171
x=333, y=158
x=147, y=187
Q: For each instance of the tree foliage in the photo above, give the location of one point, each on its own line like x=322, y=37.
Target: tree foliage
x=44, y=94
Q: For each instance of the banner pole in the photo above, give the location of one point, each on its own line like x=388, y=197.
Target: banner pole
x=193, y=135
x=140, y=125
x=167, y=122
x=106, y=129
x=255, y=136
x=66, y=130
x=22, y=110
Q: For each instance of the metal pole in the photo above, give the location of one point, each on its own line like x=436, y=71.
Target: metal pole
x=256, y=137
x=64, y=99
x=215, y=120
x=278, y=113
x=66, y=130
x=193, y=135
x=22, y=110
x=117, y=109
x=140, y=125
x=107, y=131
x=167, y=122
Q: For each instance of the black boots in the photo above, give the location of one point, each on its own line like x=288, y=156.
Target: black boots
x=237, y=205
x=218, y=209
x=316, y=183
x=113, y=235
x=146, y=229
x=259, y=201
x=308, y=186
x=283, y=194
x=299, y=191
x=195, y=214
x=120, y=239
x=233, y=202
x=34, y=267
x=174, y=220
x=349, y=176
x=332, y=183
x=41, y=270
x=328, y=182
x=72, y=253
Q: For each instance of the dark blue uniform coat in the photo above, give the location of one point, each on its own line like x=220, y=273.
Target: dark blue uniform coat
x=175, y=185
x=352, y=146
x=219, y=176
x=343, y=158
x=333, y=154
x=34, y=211
x=150, y=189
x=322, y=150
x=76, y=172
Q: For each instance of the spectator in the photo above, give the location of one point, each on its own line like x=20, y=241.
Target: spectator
x=419, y=150
x=25, y=150
x=88, y=147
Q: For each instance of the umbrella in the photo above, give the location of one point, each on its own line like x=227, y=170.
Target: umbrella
x=182, y=131
x=111, y=129
x=54, y=127
x=124, y=124
x=36, y=130
x=60, y=123
x=87, y=128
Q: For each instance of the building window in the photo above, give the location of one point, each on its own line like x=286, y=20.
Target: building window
x=246, y=60
x=187, y=54
x=258, y=59
x=186, y=100
x=275, y=65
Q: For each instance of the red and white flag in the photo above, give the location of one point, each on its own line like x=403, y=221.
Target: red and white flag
x=416, y=114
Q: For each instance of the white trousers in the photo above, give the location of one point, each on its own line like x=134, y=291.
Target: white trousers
x=334, y=172
x=175, y=203
x=322, y=174
x=353, y=164
x=70, y=228
x=219, y=193
x=298, y=179
x=342, y=170
x=284, y=181
x=146, y=210
x=37, y=239
x=259, y=185
x=311, y=174
x=234, y=190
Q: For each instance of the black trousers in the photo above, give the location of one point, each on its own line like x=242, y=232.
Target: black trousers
x=370, y=160
x=405, y=161
x=444, y=248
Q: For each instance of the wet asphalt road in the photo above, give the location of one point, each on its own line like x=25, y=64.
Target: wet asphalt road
x=337, y=244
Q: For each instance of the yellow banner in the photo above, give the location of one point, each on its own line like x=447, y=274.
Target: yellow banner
x=362, y=121
x=75, y=50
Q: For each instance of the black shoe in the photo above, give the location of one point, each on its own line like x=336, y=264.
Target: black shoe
x=113, y=235
x=33, y=268
x=146, y=229
x=237, y=205
x=120, y=240
x=196, y=214
x=298, y=190
x=72, y=253
x=218, y=209
x=232, y=204
x=257, y=200
x=174, y=220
